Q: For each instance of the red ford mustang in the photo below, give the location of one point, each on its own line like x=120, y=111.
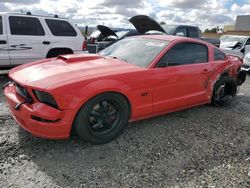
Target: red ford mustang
x=136, y=78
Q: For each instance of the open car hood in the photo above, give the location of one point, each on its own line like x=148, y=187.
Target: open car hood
x=144, y=24
x=106, y=31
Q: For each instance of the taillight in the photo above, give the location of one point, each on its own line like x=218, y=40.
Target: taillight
x=84, y=45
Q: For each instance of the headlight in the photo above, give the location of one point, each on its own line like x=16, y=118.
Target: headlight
x=45, y=98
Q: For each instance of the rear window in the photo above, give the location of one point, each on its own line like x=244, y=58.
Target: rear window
x=218, y=55
x=60, y=28
x=25, y=26
x=1, y=26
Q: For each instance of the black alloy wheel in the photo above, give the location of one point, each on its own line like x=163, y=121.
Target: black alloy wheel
x=225, y=90
x=102, y=118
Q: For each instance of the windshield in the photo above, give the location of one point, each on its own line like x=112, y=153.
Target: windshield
x=95, y=34
x=223, y=37
x=137, y=51
x=169, y=28
x=235, y=39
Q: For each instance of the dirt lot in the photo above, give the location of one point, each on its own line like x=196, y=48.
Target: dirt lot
x=200, y=147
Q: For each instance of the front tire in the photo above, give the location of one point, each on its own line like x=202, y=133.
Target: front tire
x=224, y=91
x=102, y=118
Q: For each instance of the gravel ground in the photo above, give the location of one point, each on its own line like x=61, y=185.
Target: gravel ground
x=199, y=147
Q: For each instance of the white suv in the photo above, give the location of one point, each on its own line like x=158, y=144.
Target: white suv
x=25, y=38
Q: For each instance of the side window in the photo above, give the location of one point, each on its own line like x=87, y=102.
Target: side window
x=193, y=32
x=25, y=26
x=248, y=42
x=181, y=31
x=1, y=26
x=60, y=28
x=185, y=53
x=218, y=55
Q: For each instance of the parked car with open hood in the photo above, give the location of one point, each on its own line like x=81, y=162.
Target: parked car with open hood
x=145, y=24
x=26, y=37
x=234, y=42
x=105, y=36
x=95, y=95
x=101, y=33
x=238, y=46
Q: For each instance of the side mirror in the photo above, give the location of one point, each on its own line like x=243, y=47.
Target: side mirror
x=180, y=34
x=162, y=64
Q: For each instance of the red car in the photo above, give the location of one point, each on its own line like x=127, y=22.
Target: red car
x=135, y=78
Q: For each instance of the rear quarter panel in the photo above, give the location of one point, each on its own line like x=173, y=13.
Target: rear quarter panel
x=229, y=67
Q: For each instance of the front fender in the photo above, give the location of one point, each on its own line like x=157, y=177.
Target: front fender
x=73, y=96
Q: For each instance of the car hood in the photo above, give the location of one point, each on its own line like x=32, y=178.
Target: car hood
x=228, y=45
x=144, y=24
x=233, y=52
x=106, y=31
x=50, y=73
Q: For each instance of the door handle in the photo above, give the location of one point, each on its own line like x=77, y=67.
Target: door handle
x=3, y=42
x=46, y=42
x=205, y=71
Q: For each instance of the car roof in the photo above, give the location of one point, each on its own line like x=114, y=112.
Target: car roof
x=171, y=38
x=33, y=15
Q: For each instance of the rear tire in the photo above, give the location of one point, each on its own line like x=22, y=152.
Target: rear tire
x=224, y=92
x=102, y=118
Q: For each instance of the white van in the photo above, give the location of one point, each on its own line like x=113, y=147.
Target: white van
x=25, y=38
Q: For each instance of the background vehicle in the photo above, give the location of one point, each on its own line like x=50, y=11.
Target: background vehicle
x=238, y=46
x=25, y=38
x=246, y=59
x=135, y=78
x=105, y=36
x=145, y=24
x=101, y=33
x=234, y=42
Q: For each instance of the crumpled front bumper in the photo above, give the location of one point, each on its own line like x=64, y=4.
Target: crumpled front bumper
x=37, y=118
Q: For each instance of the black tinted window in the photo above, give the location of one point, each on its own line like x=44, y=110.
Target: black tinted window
x=193, y=32
x=60, y=28
x=185, y=53
x=248, y=42
x=25, y=26
x=218, y=55
x=1, y=25
x=181, y=31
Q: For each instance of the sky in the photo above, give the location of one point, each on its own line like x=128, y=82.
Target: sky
x=116, y=13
